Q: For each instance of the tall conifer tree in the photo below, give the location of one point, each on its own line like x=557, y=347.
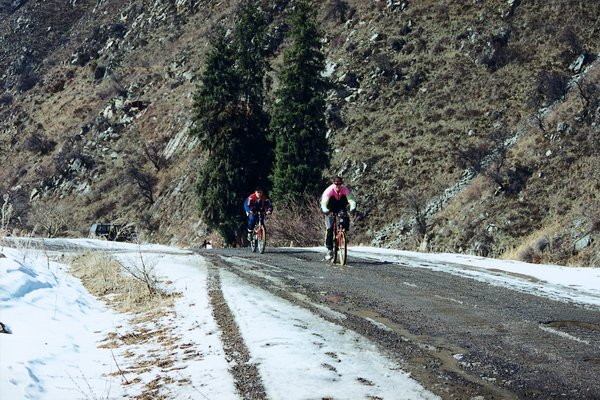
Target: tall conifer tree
x=218, y=118
x=250, y=42
x=298, y=118
x=231, y=123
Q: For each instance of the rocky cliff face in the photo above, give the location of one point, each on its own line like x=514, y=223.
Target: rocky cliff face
x=98, y=92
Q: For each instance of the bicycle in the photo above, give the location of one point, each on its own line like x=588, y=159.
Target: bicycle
x=259, y=235
x=340, y=238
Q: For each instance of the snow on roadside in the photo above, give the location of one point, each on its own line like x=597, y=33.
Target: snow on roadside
x=570, y=284
x=323, y=360
x=56, y=325
x=63, y=340
x=186, y=356
x=66, y=344
x=57, y=328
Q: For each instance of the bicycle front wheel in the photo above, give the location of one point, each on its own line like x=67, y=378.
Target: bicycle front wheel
x=343, y=247
x=253, y=241
x=334, y=257
x=261, y=239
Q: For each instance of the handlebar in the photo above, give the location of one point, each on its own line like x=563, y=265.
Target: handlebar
x=259, y=212
x=342, y=213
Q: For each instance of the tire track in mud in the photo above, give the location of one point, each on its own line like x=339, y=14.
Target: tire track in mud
x=245, y=374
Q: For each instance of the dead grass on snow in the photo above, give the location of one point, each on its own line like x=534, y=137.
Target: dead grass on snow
x=106, y=277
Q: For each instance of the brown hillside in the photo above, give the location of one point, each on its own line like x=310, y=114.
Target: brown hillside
x=420, y=87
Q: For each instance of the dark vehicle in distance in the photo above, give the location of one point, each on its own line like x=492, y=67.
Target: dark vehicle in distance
x=115, y=232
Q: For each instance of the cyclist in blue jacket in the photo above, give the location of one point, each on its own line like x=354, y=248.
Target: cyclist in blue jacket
x=256, y=203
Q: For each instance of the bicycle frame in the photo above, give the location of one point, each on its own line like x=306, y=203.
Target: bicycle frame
x=340, y=239
x=259, y=235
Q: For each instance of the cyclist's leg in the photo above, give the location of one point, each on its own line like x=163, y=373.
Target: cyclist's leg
x=346, y=223
x=329, y=233
x=251, y=224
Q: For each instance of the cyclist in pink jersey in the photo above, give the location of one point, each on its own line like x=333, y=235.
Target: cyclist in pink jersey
x=337, y=197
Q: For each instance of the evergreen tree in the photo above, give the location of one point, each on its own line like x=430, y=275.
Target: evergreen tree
x=231, y=123
x=219, y=125
x=298, y=118
x=250, y=41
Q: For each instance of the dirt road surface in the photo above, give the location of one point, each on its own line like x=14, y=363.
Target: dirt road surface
x=458, y=337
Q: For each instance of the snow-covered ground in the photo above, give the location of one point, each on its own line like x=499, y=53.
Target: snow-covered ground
x=57, y=347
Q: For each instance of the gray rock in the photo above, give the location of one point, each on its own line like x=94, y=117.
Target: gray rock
x=583, y=242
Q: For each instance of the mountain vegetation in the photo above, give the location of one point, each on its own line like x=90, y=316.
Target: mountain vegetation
x=231, y=122
x=471, y=126
x=298, y=117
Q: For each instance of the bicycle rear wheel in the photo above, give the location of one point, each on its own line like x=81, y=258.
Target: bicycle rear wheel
x=342, y=246
x=261, y=239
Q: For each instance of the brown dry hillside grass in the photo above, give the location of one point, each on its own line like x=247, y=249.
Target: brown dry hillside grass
x=412, y=82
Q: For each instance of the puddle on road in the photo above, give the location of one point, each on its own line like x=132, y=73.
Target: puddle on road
x=573, y=324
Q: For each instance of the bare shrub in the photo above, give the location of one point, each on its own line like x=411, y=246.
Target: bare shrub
x=470, y=156
x=154, y=152
x=549, y=244
x=105, y=209
x=144, y=181
x=147, y=222
x=338, y=10
x=416, y=203
x=527, y=254
x=415, y=81
x=494, y=52
x=56, y=85
x=5, y=214
x=497, y=170
x=590, y=95
x=15, y=207
x=295, y=224
x=387, y=67
x=104, y=275
x=589, y=212
x=551, y=86
x=473, y=192
x=51, y=220
x=70, y=159
x=6, y=99
x=143, y=272
x=27, y=81
x=573, y=45
x=38, y=143
x=536, y=250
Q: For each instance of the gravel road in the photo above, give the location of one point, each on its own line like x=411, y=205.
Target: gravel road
x=458, y=337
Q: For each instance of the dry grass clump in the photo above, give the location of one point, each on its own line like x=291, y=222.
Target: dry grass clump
x=100, y=273
x=546, y=245
x=126, y=288
x=296, y=224
x=478, y=188
x=150, y=343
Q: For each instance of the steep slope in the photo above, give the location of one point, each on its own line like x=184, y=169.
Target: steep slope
x=98, y=89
